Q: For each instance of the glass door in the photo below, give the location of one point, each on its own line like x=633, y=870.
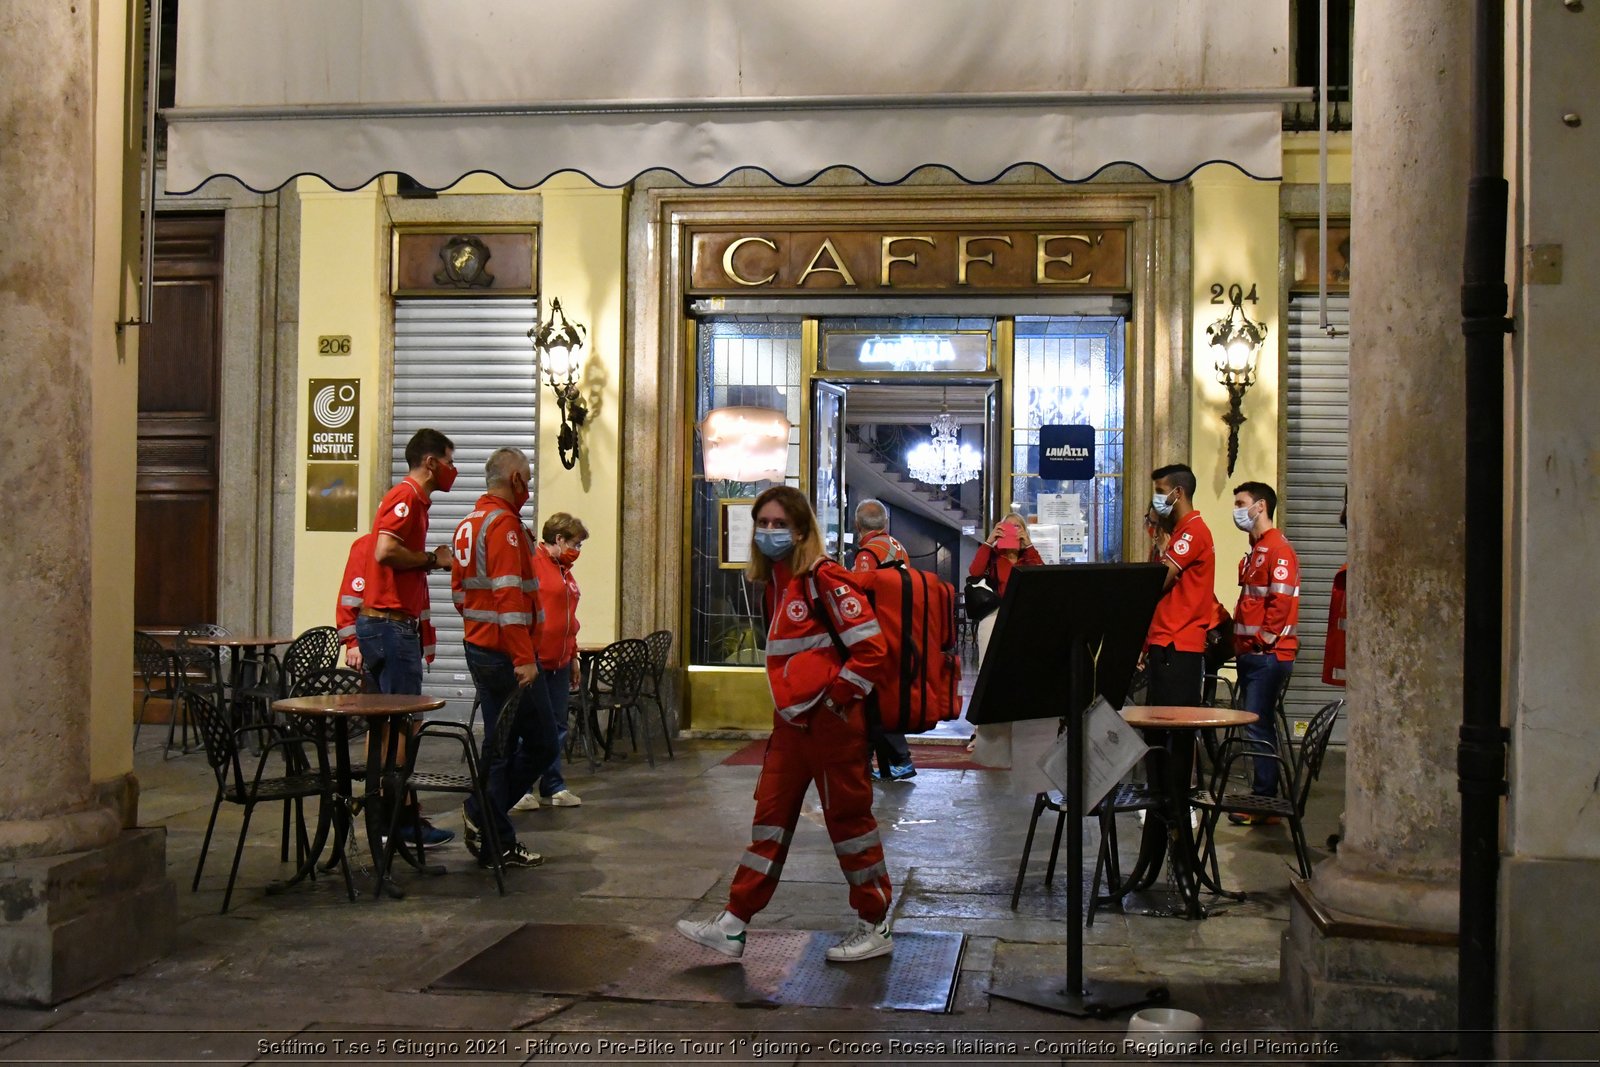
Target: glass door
x=827, y=473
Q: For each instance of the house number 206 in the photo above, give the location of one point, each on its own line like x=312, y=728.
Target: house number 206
x=1235, y=293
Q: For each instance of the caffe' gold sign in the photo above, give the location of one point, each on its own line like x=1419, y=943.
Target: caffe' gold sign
x=908, y=259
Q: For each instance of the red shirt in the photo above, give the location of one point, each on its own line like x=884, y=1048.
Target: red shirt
x=878, y=549
x=1269, y=598
x=403, y=514
x=1333, y=652
x=558, y=602
x=352, y=597
x=1184, y=612
x=1028, y=557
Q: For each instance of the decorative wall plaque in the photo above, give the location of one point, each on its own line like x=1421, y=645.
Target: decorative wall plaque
x=466, y=261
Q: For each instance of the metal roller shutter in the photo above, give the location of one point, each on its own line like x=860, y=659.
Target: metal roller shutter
x=1318, y=467
x=466, y=368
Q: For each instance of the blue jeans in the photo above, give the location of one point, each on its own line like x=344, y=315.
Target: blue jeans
x=533, y=736
x=391, y=654
x=1261, y=678
x=557, y=693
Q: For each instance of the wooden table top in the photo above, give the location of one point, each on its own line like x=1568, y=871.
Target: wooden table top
x=245, y=641
x=358, y=705
x=1166, y=717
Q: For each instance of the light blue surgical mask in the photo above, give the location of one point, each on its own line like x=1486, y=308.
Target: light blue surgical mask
x=774, y=543
x=1162, y=505
x=1242, y=519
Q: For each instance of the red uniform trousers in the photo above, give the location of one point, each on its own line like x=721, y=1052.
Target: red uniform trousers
x=832, y=751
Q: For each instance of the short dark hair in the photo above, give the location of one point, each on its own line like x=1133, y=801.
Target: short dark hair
x=1179, y=475
x=424, y=443
x=1260, y=491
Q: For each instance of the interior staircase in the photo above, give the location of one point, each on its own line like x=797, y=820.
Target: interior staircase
x=869, y=473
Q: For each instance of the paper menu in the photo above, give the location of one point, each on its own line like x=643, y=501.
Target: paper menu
x=1047, y=539
x=1112, y=748
x=1060, y=509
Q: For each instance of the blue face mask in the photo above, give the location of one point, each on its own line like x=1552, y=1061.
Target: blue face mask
x=774, y=543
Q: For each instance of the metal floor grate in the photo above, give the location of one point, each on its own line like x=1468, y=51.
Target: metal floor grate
x=778, y=967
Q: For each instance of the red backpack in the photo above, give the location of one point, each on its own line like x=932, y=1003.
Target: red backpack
x=917, y=612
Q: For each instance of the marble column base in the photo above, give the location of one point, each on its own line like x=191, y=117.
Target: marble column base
x=1549, y=911
x=1361, y=980
x=71, y=921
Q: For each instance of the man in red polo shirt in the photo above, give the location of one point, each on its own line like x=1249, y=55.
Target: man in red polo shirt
x=1176, y=644
x=1265, y=624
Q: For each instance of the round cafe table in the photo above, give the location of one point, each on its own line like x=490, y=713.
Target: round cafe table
x=1168, y=833
x=248, y=649
x=382, y=759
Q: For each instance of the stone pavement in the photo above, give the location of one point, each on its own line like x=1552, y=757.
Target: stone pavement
x=307, y=976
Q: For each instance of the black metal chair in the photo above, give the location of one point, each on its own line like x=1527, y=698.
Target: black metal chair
x=158, y=673
x=315, y=648
x=616, y=678
x=194, y=671
x=298, y=781
x=475, y=782
x=325, y=681
x=1300, y=769
x=1126, y=797
x=660, y=646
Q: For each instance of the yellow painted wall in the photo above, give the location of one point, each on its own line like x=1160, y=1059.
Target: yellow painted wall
x=343, y=267
x=1300, y=159
x=1235, y=241
x=114, y=381
x=583, y=243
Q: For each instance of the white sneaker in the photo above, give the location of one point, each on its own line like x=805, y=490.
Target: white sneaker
x=529, y=802
x=709, y=932
x=565, y=799
x=863, y=942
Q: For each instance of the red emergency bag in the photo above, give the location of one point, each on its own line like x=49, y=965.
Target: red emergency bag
x=917, y=612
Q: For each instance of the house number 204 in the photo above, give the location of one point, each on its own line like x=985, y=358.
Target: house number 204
x=1235, y=293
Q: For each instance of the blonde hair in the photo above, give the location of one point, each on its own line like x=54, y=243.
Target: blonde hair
x=563, y=525
x=802, y=524
x=1021, y=525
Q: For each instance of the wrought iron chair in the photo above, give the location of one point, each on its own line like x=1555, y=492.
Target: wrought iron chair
x=660, y=646
x=159, y=674
x=1126, y=797
x=224, y=751
x=616, y=678
x=194, y=671
x=316, y=647
x=475, y=782
x=1300, y=769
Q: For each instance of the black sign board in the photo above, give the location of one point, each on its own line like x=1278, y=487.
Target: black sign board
x=1066, y=453
x=333, y=424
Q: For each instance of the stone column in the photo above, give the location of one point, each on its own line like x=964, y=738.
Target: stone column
x=1372, y=937
x=85, y=897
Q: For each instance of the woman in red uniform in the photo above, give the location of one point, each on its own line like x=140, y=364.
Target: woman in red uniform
x=823, y=650
x=1007, y=547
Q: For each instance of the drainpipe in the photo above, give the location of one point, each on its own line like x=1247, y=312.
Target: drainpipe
x=1481, y=751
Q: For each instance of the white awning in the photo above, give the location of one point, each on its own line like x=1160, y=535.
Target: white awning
x=349, y=89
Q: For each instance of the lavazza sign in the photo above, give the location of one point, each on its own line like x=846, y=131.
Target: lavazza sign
x=1000, y=259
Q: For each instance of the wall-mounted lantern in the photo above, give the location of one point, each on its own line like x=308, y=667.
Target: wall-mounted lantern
x=559, y=345
x=1237, y=341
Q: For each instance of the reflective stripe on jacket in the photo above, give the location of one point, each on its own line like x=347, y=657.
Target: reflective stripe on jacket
x=802, y=662
x=1268, y=614
x=352, y=597
x=492, y=581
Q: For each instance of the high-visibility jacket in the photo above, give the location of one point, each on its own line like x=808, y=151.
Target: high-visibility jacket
x=492, y=580
x=558, y=600
x=352, y=598
x=1269, y=598
x=1333, y=651
x=878, y=549
x=803, y=663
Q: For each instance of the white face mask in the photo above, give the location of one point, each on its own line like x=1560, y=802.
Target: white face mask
x=1242, y=519
x=1162, y=505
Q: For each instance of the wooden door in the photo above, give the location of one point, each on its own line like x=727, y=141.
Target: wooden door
x=175, y=537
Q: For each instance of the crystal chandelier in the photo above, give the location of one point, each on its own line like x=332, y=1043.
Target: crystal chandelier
x=944, y=460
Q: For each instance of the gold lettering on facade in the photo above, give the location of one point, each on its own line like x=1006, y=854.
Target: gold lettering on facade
x=965, y=258
x=838, y=265
x=1041, y=273
x=733, y=275
x=889, y=259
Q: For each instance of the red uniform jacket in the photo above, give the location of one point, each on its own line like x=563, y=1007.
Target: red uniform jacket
x=558, y=603
x=802, y=662
x=1333, y=651
x=352, y=598
x=878, y=549
x=492, y=580
x=1269, y=598
x=1028, y=557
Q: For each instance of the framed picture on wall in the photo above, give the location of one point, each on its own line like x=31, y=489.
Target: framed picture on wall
x=735, y=525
